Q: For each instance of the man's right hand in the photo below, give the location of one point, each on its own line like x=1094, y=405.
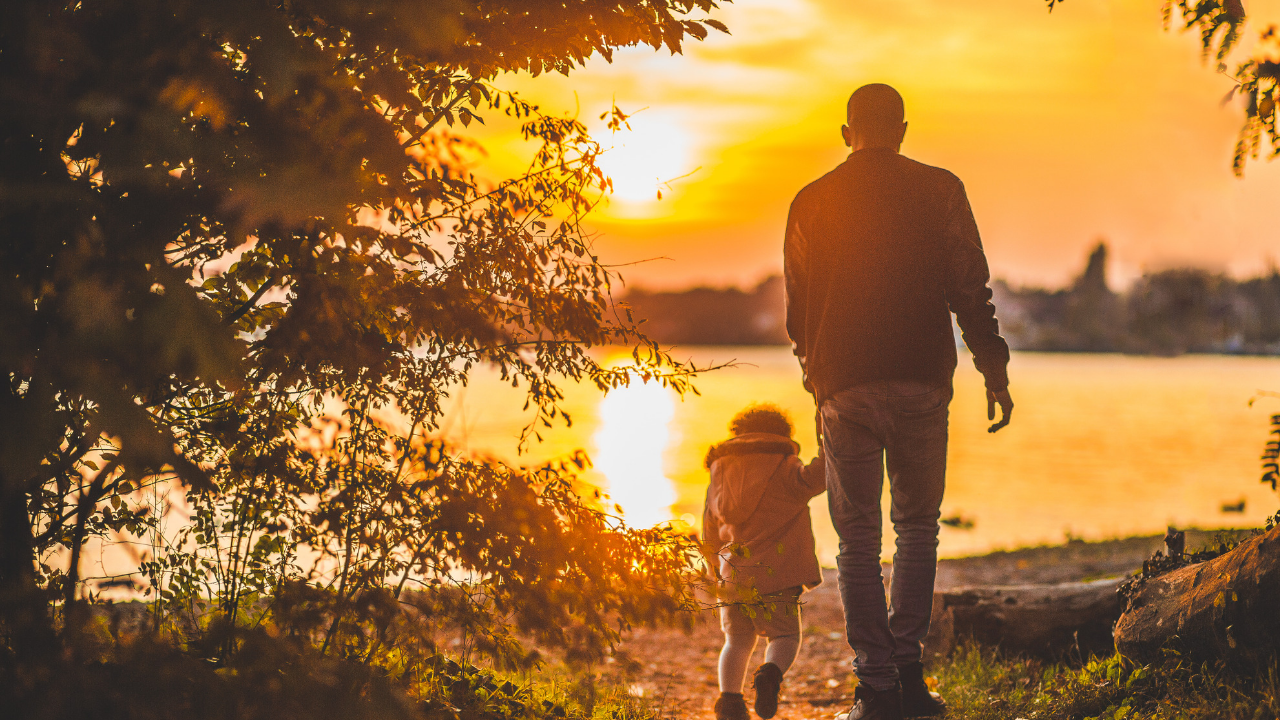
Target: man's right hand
x=1006, y=408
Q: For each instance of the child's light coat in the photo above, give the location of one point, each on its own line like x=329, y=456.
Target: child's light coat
x=759, y=497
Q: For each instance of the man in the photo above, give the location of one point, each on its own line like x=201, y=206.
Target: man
x=878, y=253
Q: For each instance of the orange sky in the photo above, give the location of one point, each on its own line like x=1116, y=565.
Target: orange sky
x=1090, y=122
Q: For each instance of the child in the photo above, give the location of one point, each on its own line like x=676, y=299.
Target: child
x=759, y=499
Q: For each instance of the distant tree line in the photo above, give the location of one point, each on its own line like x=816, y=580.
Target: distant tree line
x=1168, y=312
x=714, y=316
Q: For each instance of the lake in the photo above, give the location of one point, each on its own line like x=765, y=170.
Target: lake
x=1100, y=446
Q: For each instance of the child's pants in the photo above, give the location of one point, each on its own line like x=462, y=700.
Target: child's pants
x=778, y=620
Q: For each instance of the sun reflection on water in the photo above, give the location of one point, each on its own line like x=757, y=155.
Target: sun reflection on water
x=634, y=434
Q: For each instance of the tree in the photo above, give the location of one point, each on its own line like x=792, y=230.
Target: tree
x=1220, y=23
x=216, y=217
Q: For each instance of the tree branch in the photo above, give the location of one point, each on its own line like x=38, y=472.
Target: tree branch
x=84, y=507
x=248, y=304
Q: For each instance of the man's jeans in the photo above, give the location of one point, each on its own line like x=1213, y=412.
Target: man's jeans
x=903, y=424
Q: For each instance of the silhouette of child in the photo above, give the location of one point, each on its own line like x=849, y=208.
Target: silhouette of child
x=756, y=520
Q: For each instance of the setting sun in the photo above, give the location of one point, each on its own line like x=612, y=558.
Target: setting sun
x=642, y=160
x=1097, y=101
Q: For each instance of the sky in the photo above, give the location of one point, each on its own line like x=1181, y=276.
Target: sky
x=1093, y=122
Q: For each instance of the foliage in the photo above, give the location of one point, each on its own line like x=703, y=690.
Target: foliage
x=1223, y=542
x=1220, y=23
x=981, y=683
x=246, y=256
x=277, y=677
x=497, y=553
x=1273, y=521
x=1271, y=455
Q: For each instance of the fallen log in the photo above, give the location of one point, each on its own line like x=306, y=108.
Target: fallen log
x=1226, y=608
x=1047, y=621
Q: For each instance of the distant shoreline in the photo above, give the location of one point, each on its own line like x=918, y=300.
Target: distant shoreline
x=1167, y=313
x=1072, y=561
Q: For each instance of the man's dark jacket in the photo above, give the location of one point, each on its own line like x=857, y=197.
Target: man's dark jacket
x=879, y=252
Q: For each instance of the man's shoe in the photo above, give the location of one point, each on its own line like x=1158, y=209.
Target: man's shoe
x=917, y=699
x=767, y=682
x=871, y=704
x=731, y=706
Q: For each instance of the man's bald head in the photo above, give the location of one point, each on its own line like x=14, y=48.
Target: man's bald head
x=875, y=115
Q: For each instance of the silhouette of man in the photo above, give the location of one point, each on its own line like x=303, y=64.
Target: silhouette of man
x=879, y=252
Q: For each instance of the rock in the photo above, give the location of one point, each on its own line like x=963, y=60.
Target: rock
x=1224, y=608
x=1041, y=620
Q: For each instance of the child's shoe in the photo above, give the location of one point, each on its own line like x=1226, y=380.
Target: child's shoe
x=767, y=682
x=731, y=706
x=917, y=699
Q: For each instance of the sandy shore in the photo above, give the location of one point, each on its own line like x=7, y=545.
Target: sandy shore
x=679, y=670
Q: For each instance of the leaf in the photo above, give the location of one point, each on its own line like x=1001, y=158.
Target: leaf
x=717, y=25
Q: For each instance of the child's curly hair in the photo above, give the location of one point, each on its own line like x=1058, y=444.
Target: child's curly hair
x=761, y=418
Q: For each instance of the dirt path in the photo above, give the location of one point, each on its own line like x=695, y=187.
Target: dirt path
x=679, y=670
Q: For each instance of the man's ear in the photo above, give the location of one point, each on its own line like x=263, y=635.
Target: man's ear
x=847, y=134
x=902, y=134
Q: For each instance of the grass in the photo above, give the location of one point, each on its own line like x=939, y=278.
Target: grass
x=552, y=692
x=275, y=677
x=982, y=684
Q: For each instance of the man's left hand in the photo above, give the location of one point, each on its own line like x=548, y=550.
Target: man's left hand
x=1006, y=408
